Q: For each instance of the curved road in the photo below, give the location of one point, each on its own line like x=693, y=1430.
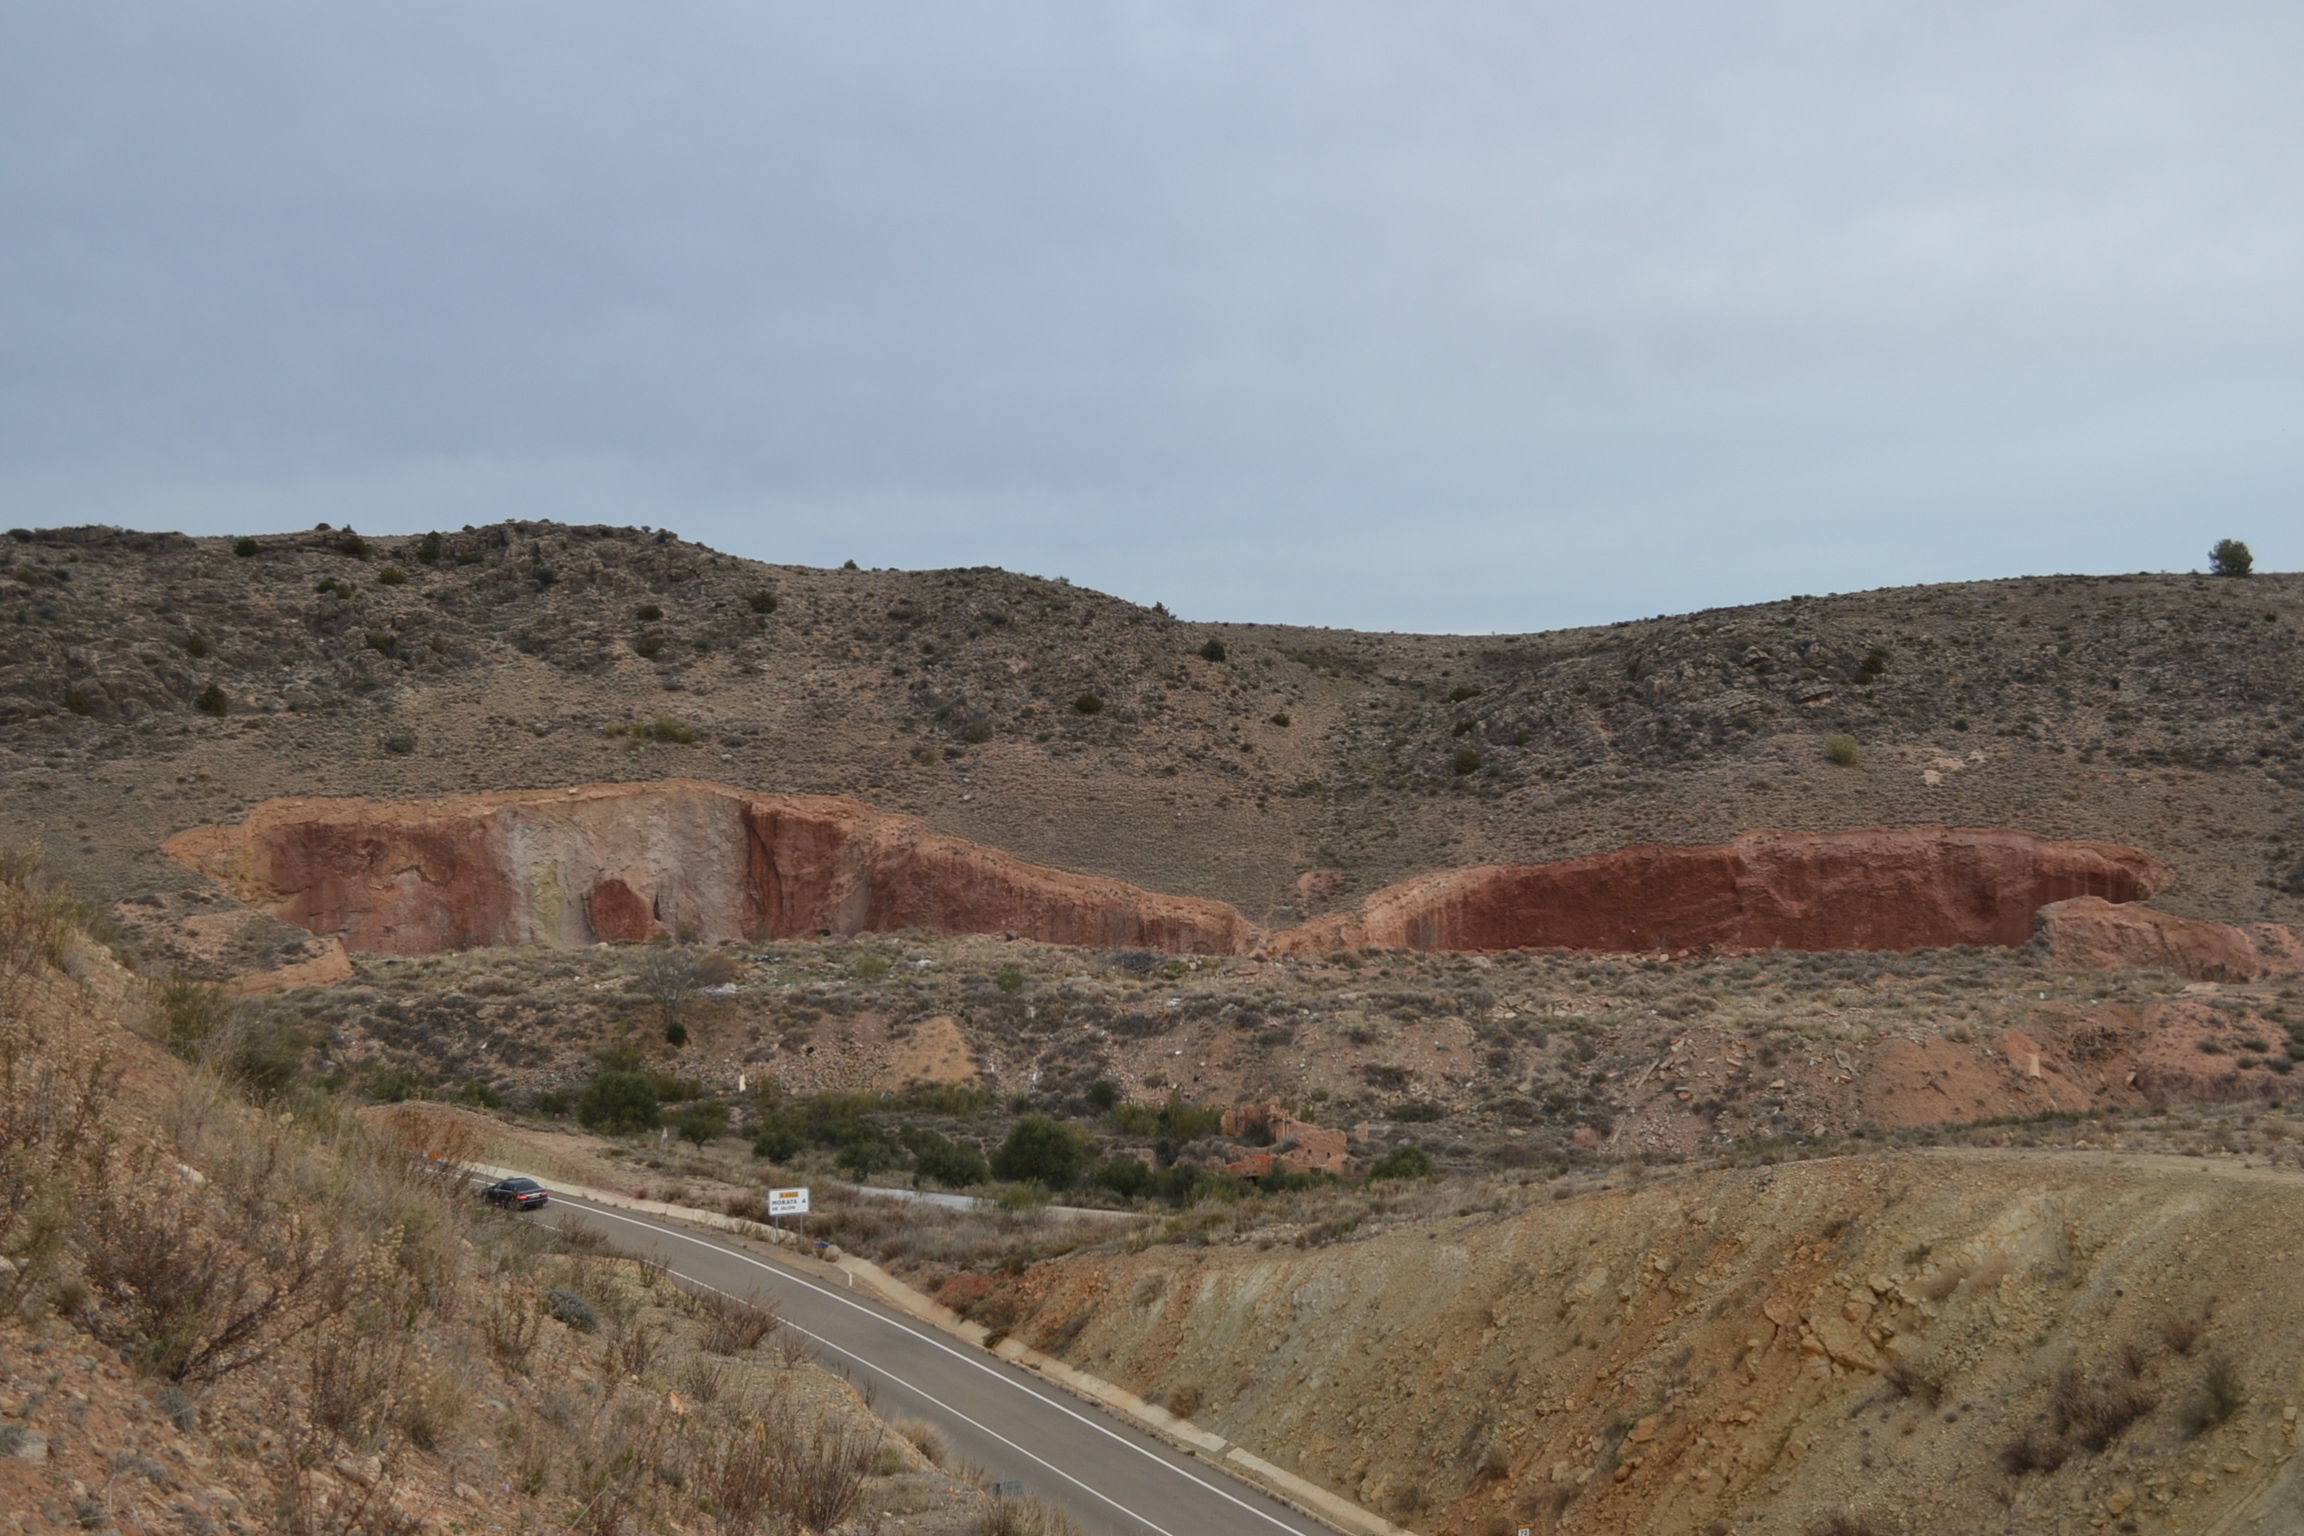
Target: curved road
x=1114, y=1479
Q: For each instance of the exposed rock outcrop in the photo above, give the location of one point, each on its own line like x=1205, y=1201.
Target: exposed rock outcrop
x=625, y=862
x=2089, y=934
x=1905, y=889
x=1297, y=1146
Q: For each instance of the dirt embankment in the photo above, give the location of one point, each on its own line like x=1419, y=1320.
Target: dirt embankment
x=1878, y=889
x=1746, y=1350
x=624, y=862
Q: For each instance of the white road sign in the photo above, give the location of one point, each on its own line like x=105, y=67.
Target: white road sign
x=788, y=1202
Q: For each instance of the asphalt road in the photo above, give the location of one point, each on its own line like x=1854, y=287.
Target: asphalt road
x=1115, y=1479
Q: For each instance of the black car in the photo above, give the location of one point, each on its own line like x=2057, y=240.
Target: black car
x=519, y=1194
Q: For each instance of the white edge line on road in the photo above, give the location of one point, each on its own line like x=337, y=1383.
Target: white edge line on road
x=929, y=1339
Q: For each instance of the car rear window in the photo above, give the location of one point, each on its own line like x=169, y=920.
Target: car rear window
x=521, y=1186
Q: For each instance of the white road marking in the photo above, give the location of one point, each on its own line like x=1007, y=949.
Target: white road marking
x=934, y=1342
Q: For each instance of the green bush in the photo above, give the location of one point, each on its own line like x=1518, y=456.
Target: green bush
x=648, y=613
x=943, y=1161
x=244, y=547
x=382, y=644
x=782, y=1136
x=1088, y=704
x=551, y=1103
x=428, y=549
x=978, y=732
x=353, y=545
x=399, y=742
x=1281, y=719
x=478, y=1095
x=618, y=1104
x=1174, y=1121
x=1039, y=1151
x=190, y=1015
x=2230, y=557
x=1458, y=695
x=1404, y=1162
x=665, y=728
x=1009, y=979
x=1467, y=761
x=1843, y=750
x=1103, y=1095
x=195, y=647
x=701, y=1122
x=1213, y=651
x=1127, y=1177
x=392, y=576
x=79, y=703
x=392, y=1085
x=214, y=701
x=762, y=601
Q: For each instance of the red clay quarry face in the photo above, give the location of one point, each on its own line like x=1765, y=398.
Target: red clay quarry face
x=627, y=862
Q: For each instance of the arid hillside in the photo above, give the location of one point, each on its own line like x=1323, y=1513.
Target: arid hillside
x=1957, y=1342
x=151, y=683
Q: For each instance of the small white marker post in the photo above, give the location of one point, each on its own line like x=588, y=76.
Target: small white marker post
x=790, y=1202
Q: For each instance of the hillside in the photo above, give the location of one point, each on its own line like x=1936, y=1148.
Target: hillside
x=2165, y=713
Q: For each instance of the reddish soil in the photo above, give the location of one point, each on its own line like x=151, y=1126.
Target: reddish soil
x=1907, y=889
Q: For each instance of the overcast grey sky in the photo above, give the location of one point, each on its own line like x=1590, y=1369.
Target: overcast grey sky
x=1431, y=316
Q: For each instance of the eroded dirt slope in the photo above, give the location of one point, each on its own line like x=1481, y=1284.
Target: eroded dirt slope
x=1750, y=1350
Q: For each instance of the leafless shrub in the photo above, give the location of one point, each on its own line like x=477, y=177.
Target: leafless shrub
x=737, y=1474
x=1184, y=1400
x=511, y=1326
x=1026, y=1517
x=1840, y=1523
x=925, y=1439
x=824, y=1468
x=631, y=1349
x=190, y=1301
x=1919, y=1379
x=2133, y=1360
x=2183, y=1333
x=2096, y=1413
x=351, y=1378
x=2030, y=1452
x=704, y=1379
x=733, y=1325
x=2220, y=1396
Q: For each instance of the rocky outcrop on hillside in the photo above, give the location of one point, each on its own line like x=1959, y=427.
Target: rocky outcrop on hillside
x=1926, y=887
x=2091, y=934
x=682, y=858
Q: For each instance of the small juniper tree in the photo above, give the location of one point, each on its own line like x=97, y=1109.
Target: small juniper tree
x=2230, y=557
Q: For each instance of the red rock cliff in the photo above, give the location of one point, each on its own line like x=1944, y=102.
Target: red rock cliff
x=1905, y=889
x=627, y=861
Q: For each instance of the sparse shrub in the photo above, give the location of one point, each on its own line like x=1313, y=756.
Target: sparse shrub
x=978, y=732
x=1840, y=1523
x=78, y=702
x=618, y=1104
x=392, y=576
x=733, y=1325
x=1041, y=1151
x=2183, y=1333
x=1467, y=762
x=1460, y=693
x=647, y=648
x=2096, y=1413
x=381, y=643
x=1917, y=1379
x=1213, y=650
x=195, y=647
x=352, y=545
x=399, y=741
x=1103, y=1094
x=569, y=1308
x=2030, y=1452
x=428, y=548
x=244, y=547
x=1009, y=979
x=1404, y=1162
x=1029, y=1516
x=762, y=601
x=2230, y=557
x=1418, y=1111
x=1843, y=750
x=1281, y=719
x=1089, y=704
x=214, y=701
x=2220, y=1396
x=648, y=613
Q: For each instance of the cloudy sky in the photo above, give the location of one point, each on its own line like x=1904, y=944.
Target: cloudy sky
x=1438, y=316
